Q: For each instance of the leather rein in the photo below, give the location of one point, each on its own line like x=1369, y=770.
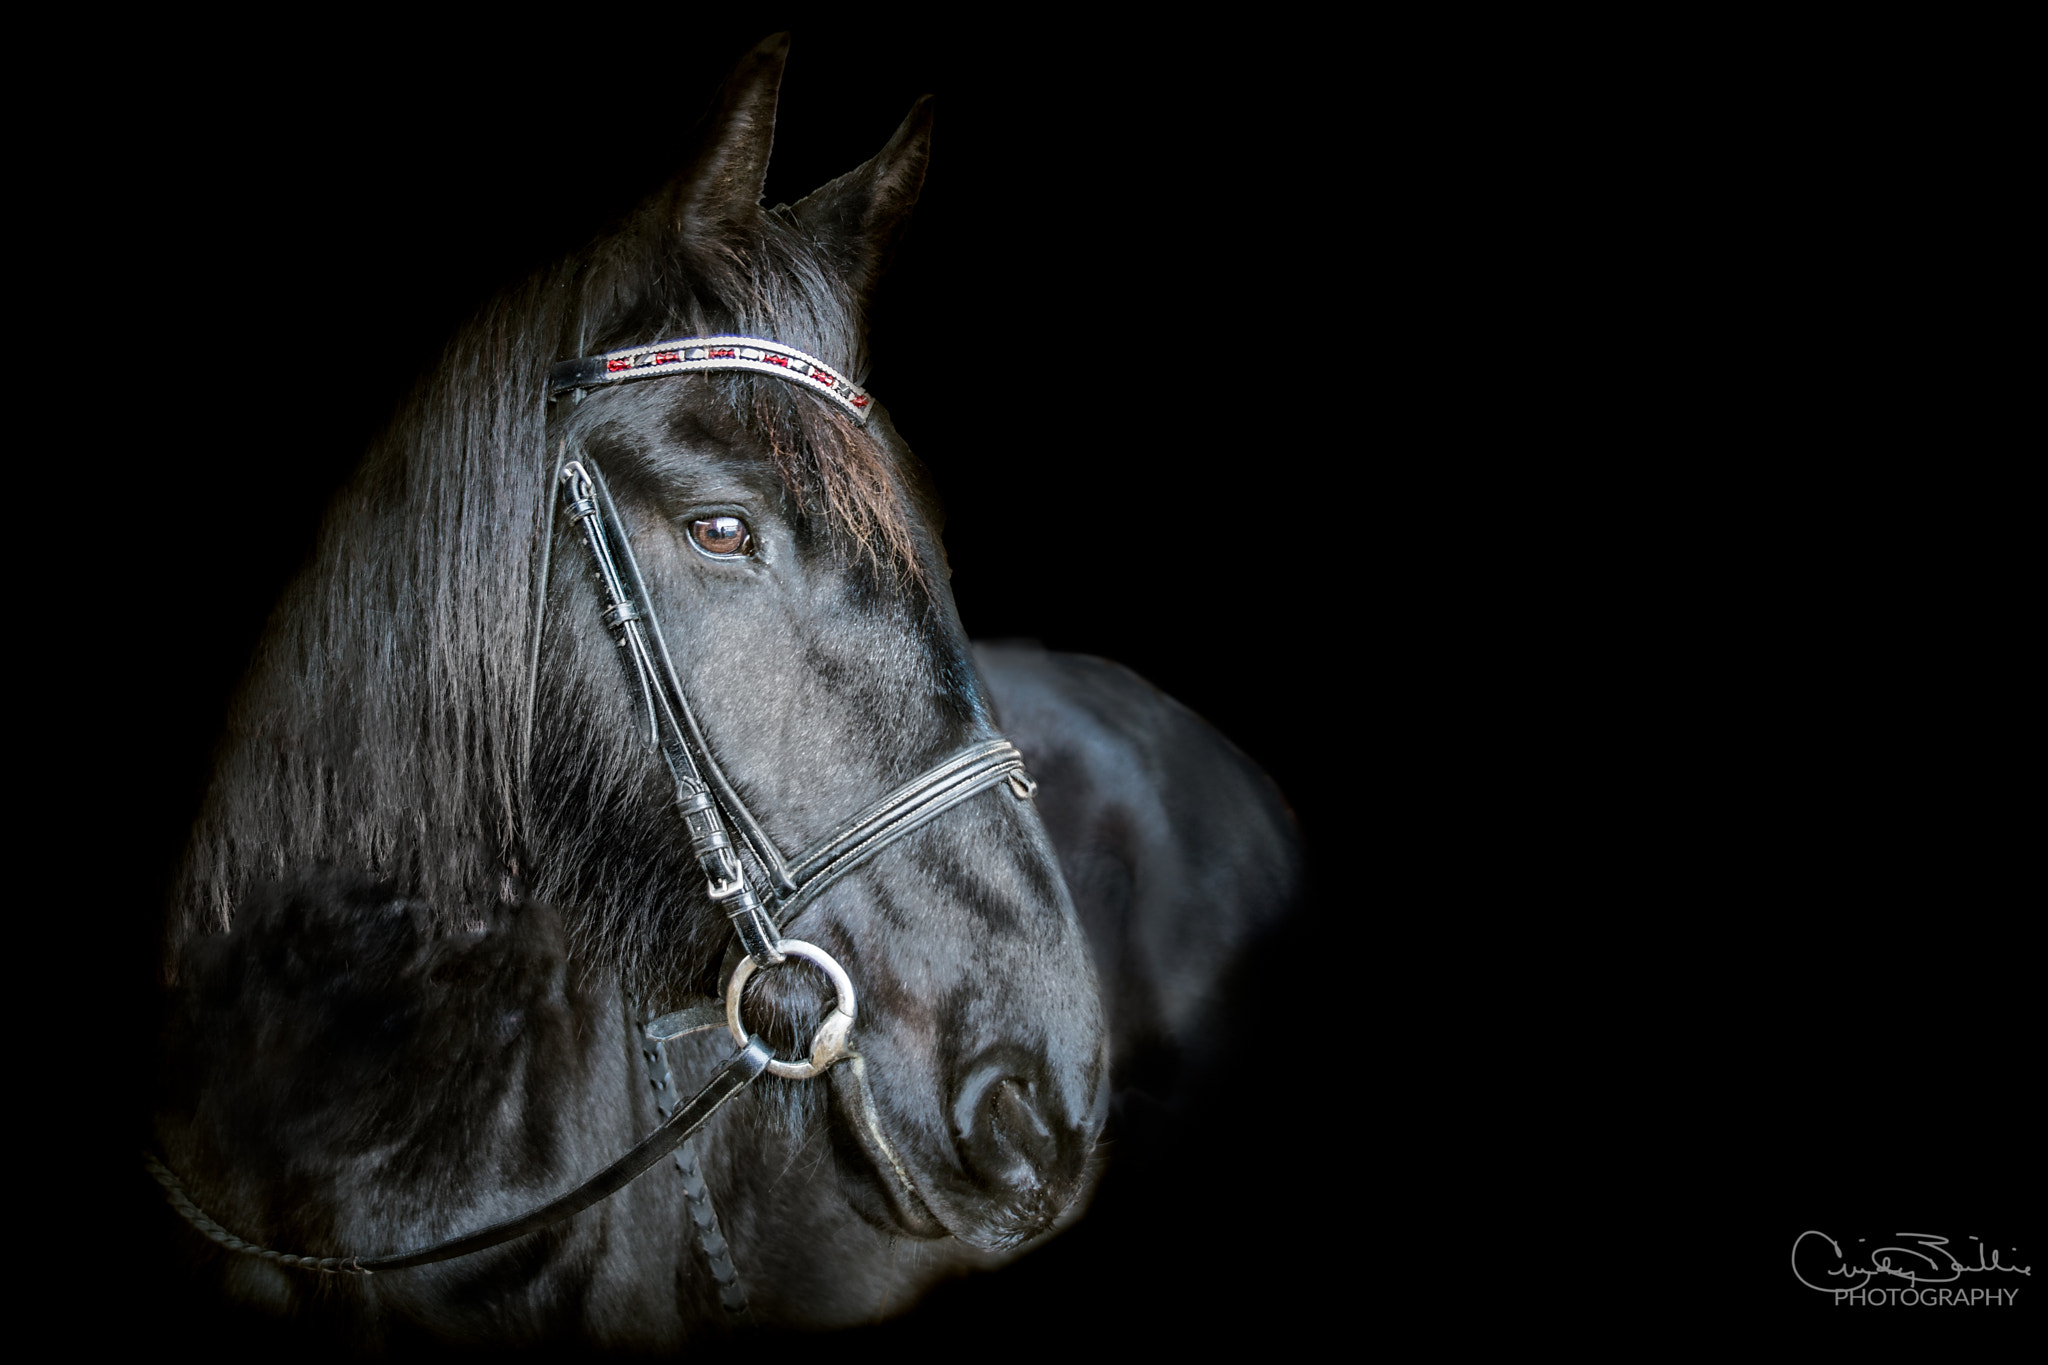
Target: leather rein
x=733, y=851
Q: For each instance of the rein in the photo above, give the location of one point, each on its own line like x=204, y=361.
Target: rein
x=712, y=813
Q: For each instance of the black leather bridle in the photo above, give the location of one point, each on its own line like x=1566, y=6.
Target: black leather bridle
x=704, y=796
x=711, y=809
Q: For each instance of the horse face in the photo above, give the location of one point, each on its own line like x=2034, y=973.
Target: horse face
x=816, y=640
x=424, y=756
x=823, y=678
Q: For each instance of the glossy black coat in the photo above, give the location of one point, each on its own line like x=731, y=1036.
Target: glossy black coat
x=292, y=1099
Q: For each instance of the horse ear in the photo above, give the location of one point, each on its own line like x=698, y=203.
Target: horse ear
x=860, y=217
x=723, y=184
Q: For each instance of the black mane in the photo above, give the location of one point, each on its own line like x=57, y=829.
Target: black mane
x=382, y=723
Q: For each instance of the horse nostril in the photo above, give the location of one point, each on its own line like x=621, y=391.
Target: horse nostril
x=1005, y=1138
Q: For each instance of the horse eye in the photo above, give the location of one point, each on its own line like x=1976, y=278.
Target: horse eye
x=722, y=536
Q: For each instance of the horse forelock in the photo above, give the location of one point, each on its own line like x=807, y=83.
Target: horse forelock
x=766, y=278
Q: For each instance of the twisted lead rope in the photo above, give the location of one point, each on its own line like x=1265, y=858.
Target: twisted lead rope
x=196, y=1216
x=733, y=1076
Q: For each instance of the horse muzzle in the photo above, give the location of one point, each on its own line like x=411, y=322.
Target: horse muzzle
x=1026, y=1161
x=1017, y=1164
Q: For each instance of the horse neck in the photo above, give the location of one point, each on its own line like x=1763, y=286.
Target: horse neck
x=378, y=727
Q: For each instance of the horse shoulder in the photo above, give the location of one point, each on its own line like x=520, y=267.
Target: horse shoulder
x=1178, y=850
x=341, y=1076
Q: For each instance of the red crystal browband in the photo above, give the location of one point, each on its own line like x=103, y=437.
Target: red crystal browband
x=710, y=353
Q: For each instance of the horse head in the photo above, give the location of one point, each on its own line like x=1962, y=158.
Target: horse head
x=795, y=555
x=443, y=706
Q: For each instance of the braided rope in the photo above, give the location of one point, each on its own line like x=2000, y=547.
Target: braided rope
x=711, y=1243
x=193, y=1214
x=738, y=1072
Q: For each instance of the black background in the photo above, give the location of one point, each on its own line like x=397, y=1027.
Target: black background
x=1608, y=555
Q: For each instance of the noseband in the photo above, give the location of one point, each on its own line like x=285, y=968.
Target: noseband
x=712, y=813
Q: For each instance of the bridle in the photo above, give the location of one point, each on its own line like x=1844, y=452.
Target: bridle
x=746, y=875
x=705, y=797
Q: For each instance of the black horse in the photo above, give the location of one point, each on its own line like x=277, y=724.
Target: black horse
x=438, y=886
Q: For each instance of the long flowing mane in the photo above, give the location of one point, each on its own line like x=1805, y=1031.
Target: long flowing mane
x=399, y=747
x=383, y=724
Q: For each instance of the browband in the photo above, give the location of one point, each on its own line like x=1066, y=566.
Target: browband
x=685, y=354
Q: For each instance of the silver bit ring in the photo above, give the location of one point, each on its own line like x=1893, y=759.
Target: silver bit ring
x=830, y=1043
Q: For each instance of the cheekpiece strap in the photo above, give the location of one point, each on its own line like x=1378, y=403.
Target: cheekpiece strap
x=710, y=353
